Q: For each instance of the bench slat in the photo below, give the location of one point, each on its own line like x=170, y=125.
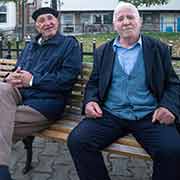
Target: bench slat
x=114, y=148
x=8, y=61
x=66, y=126
x=128, y=151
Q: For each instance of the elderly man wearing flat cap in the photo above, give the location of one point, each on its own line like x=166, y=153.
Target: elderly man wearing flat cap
x=35, y=93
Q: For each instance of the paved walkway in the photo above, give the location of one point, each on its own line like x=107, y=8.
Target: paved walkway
x=52, y=161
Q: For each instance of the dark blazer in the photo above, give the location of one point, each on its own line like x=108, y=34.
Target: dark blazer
x=160, y=76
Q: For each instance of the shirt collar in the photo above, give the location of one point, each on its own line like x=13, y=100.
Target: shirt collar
x=116, y=43
x=54, y=40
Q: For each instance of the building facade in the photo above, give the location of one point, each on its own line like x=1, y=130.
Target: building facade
x=7, y=16
x=84, y=16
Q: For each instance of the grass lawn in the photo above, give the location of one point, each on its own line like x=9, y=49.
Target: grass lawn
x=100, y=38
x=173, y=38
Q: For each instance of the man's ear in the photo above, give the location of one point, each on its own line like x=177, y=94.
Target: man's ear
x=37, y=26
x=114, y=27
x=141, y=21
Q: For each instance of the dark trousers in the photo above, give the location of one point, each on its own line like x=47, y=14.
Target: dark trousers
x=91, y=136
x=4, y=173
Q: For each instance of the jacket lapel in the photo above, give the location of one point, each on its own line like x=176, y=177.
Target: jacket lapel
x=106, y=68
x=148, y=55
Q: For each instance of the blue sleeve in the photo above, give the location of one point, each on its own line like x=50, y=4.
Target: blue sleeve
x=23, y=55
x=61, y=79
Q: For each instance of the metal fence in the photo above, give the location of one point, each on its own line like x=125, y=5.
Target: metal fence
x=12, y=50
x=84, y=28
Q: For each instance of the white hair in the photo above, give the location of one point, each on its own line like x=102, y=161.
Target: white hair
x=123, y=5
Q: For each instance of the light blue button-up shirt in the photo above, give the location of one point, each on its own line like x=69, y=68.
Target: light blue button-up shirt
x=127, y=57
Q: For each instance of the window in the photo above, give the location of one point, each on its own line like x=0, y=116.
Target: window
x=85, y=19
x=68, y=19
x=102, y=18
x=3, y=9
x=147, y=18
x=3, y=14
x=97, y=19
x=68, y=23
x=167, y=23
x=108, y=18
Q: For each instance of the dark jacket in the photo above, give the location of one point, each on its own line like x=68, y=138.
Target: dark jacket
x=55, y=65
x=160, y=76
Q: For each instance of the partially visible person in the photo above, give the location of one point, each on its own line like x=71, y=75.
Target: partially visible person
x=35, y=94
x=132, y=89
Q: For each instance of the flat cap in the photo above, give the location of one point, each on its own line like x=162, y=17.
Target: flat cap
x=44, y=10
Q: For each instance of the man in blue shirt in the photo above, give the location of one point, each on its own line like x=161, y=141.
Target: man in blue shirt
x=132, y=89
x=37, y=91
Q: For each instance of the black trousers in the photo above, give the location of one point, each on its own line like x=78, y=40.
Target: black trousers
x=4, y=173
x=91, y=136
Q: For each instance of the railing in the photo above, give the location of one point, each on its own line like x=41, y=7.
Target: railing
x=11, y=50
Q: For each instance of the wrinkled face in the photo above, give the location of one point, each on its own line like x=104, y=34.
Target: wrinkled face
x=47, y=25
x=127, y=23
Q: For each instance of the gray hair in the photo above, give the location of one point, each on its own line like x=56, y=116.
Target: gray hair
x=123, y=5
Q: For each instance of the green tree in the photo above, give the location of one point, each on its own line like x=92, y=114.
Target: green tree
x=146, y=2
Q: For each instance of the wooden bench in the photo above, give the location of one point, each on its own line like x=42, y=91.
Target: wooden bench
x=60, y=130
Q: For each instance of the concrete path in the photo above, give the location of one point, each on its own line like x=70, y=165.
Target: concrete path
x=52, y=161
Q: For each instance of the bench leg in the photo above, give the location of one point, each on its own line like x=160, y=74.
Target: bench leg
x=28, y=141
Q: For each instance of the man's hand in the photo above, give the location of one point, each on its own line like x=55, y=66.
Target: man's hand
x=93, y=110
x=14, y=78
x=163, y=116
x=25, y=78
x=19, y=78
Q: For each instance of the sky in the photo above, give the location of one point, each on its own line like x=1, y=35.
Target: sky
x=88, y=4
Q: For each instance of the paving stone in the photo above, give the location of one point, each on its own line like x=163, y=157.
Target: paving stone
x=63, y=172
x=73, y=175
x=41, y=176
x=120, y=167
x=140, y=168
x=45, y=164
x=52, y=161
x=39, y=142
x=17, y=173
x=51, y=149
x=18, y=153
x=63, y=158
x=36, y=155
x=121, y=178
